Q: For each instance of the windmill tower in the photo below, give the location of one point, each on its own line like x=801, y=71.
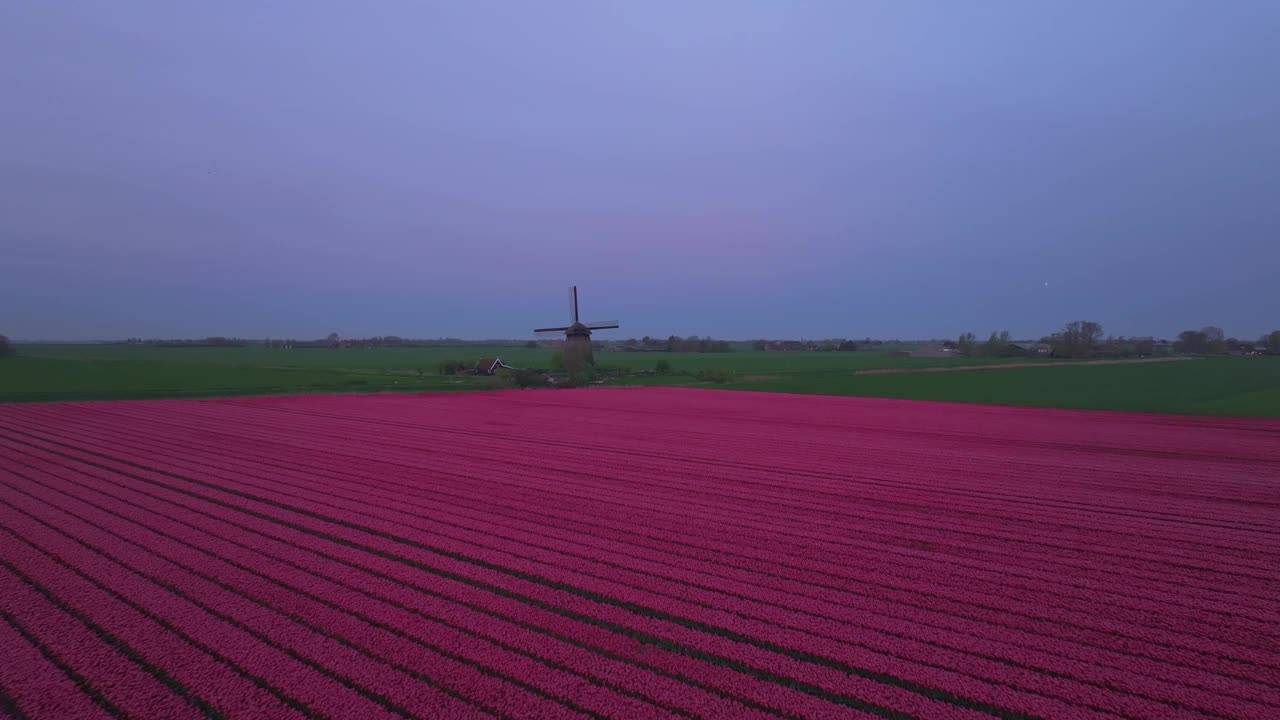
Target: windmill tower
x=577, y=336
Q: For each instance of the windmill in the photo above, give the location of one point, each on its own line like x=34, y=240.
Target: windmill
x=577, y=336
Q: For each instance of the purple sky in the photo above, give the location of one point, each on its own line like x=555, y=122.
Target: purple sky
x=729, y=168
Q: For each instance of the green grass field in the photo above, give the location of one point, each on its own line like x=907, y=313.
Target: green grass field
x=1211, y=386
x=1216, y=386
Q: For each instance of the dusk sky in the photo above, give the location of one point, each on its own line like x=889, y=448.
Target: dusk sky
x=730, y=168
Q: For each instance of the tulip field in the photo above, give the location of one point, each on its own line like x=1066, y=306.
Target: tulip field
x=634, y=553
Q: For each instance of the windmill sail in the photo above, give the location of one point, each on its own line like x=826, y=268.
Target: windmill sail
x=577, y=336
x=575, y=325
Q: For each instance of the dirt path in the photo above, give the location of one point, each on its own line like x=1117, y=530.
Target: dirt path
x=1004, y=366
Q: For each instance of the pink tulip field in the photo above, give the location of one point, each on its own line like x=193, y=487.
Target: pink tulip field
x=634, y=553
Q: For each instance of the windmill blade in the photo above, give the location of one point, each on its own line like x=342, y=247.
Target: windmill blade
x=573, y=304
x=602, y=325
x=550, y=330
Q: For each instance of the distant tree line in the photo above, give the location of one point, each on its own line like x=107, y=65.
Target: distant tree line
x=212, y=341
x=1207, y=340
x=6, y=348
x=675, y=343
x=1212, y=340
x=833, y=345
x=333, y=340
x=1084, y=339
x=1078, y=339
x=997, y=345
x=393, y=341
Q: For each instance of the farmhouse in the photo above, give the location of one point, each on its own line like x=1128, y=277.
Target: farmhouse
x=491, y=366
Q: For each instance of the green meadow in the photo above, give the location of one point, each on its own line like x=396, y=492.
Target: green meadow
x=1214, y=386
x=1247, y=386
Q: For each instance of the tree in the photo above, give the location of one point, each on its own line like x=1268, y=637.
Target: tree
x=557, y=361
x=966, y=344
x=1083, y=334
x=997, y=345
x=451, y=367
x=1207, y=340
x=5, y=347
x=1191, y=341
x=1076, y=340
x=1272, y=342
x=1117, y=347
x=663, y=367
x=1215, y=340
x=1090, y=334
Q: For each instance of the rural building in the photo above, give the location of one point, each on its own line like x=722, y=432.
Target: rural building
x=787, y=345
x=1033, y=349
x=934, y=352
x=491, y=366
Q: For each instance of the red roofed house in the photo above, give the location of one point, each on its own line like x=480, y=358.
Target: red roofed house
x=491, y=366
